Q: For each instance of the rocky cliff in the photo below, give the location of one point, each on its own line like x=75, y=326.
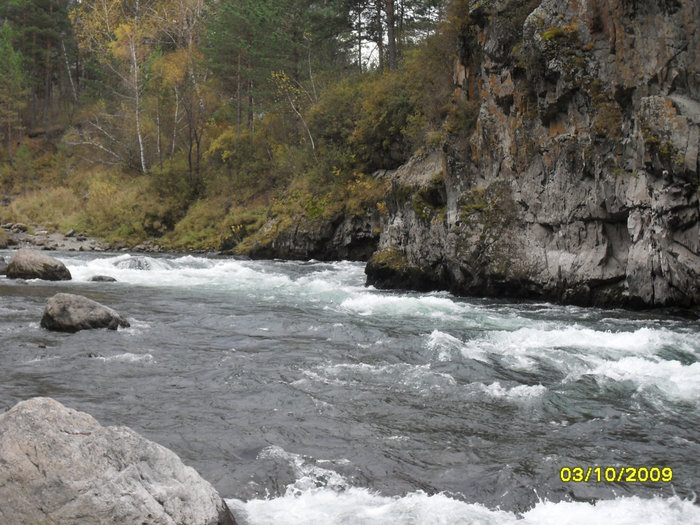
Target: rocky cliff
x=579, y=180
x=351, y=237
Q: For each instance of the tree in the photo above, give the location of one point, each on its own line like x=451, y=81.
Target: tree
x=179, y=28
x=181, y=78
x=119, y=38
x=242, y=45
x=12, y=88
x=393, y=25
x=246, y=41
x=43, y=35
x=392, y=53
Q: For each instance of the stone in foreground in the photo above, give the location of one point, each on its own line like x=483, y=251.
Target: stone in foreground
x=62, y=466
x=67, y=312
x=32, y=264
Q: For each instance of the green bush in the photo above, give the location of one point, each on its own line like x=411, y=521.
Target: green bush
x=242, y=156
x=378, y=120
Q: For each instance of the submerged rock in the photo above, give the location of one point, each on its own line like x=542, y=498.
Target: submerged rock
x=31, y=264
x=69, y=313
x=103, y=279
x=134, y=263
x=67, y=468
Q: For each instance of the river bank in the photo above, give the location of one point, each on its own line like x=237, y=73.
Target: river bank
x=20, y=235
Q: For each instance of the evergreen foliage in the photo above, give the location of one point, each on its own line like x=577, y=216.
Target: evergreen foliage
x=12, y=89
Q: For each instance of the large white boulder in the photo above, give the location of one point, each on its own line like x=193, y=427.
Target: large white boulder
x=58, y=465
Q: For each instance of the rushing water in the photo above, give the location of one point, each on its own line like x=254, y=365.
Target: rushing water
x=305, y=397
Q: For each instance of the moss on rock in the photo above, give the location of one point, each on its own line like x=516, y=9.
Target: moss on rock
x=429, y=202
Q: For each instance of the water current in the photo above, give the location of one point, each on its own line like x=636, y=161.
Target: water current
x=305, y=397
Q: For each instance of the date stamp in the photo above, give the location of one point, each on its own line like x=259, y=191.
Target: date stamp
x=616, y=474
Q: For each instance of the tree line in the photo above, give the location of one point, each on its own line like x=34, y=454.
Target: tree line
x=151, y=85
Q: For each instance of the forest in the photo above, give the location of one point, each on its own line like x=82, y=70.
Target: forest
x=192, y=122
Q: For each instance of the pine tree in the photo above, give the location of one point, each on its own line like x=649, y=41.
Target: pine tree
x=12, y=88
x=43, y=35
x=243, y=47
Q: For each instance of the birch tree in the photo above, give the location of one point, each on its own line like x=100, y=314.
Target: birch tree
x=117, y=35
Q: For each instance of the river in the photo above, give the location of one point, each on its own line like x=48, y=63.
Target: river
x=305, y=397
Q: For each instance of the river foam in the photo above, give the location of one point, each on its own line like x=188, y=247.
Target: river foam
x=638, y=356
x=420, y=379
x=358, y=506
x=671, y=378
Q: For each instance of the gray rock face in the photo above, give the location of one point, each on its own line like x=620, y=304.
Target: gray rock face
x=62, y=466
x=66, y=312
x=579, y=181
x=351, y=237
x=31, y=264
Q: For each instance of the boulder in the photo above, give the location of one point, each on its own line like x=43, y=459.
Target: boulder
x=3, y=266
x=67, y=312
x=31, y=264
x=134, y=263
x=103, y=279
x=62, y=466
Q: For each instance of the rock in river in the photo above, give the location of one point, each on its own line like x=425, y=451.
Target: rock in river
x=67, y=312
x=103, y=279
x=32, y=264
x=134, y=263
x=62, y=466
